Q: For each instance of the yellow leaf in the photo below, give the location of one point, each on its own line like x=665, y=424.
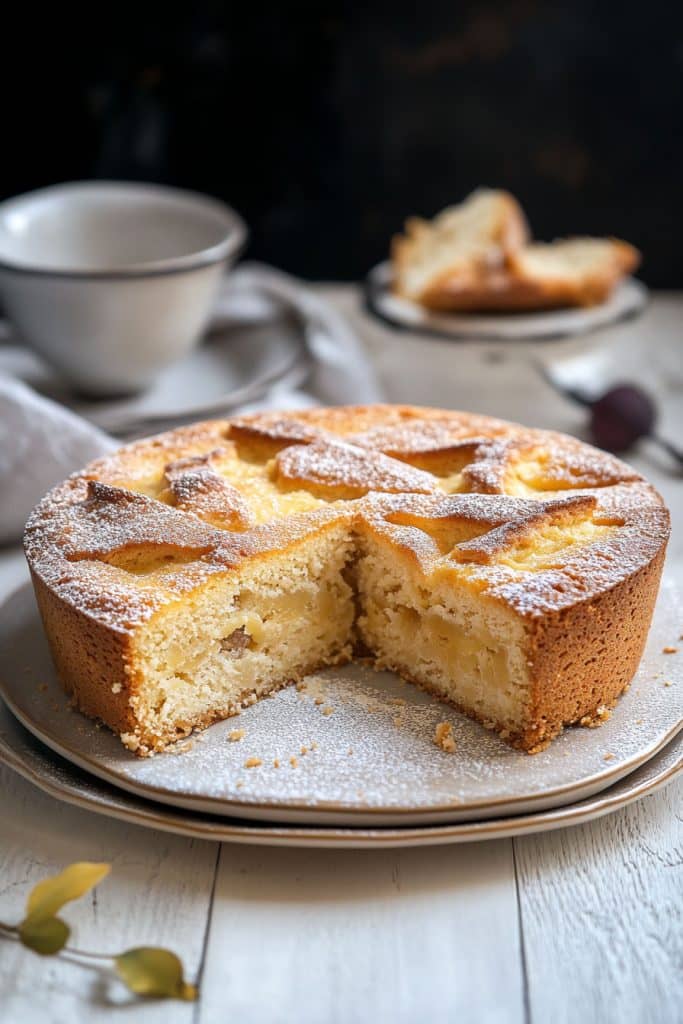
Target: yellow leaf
x=44, y=935
x=50, y=895
x=150, y=971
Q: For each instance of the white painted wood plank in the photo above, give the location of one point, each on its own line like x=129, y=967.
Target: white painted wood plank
x=158, y=893
x=355, y=936
x=602, y=913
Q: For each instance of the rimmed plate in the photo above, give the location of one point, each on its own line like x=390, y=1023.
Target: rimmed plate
x=352, y=746
x=230, y=369
x=22, y=753
x=627, y=300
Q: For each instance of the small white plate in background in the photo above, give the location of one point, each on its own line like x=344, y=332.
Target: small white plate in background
x=627, y=300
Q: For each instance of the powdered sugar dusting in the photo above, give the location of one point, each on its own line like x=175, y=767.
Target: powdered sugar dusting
x=79, y=539
x=348, y=471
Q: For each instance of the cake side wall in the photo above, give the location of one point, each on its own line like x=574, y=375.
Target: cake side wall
x=91, y=660
x=582, y=659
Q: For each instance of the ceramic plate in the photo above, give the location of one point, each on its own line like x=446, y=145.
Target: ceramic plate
x=230, y=368
x=627, y=300
x=25, y=755
x=352, y=746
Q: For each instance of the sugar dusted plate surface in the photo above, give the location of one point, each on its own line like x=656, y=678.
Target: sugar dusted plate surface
x=369, y=755
x=24, y=754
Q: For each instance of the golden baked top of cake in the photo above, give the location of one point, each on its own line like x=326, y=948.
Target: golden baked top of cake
x=535, y=519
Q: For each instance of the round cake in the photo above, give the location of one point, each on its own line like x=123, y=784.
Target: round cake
x=511, y=572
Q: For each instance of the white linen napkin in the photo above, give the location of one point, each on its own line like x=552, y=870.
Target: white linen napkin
x=42, y=441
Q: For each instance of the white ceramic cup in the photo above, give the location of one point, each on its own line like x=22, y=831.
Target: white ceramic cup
x=110, y=282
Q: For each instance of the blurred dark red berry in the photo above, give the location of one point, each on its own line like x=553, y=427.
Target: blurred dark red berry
x=621, y=416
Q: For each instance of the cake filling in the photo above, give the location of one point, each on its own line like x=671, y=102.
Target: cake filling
x=452, y=642
x=237, y=640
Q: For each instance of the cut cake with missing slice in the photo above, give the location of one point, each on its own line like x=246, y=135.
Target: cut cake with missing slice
x=512, y=572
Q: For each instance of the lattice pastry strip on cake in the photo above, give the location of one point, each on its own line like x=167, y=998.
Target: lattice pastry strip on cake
x=337, y=470
x=195, y=485
x=265, y=438
x=523, y=535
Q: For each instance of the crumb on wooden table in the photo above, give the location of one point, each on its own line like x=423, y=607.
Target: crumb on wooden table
x=443, y=737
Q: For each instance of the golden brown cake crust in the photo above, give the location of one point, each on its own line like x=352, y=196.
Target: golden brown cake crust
x=463, y=497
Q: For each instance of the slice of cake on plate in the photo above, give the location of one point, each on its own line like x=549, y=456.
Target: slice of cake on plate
x=478, y=257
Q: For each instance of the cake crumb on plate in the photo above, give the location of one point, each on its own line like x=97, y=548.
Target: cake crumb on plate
x=443, y=737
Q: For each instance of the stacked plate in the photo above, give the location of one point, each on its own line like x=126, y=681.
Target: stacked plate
x=346, y=758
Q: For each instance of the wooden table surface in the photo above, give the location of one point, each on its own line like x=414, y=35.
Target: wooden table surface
x=581, y=925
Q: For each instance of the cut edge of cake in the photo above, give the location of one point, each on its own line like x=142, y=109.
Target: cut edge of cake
x=159, y=623
x=464, y=243
x=243, y=634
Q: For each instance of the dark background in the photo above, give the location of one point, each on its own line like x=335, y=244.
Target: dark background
x=325, y=125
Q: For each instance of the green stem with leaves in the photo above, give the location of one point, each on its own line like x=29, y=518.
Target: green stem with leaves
x=146, y=970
